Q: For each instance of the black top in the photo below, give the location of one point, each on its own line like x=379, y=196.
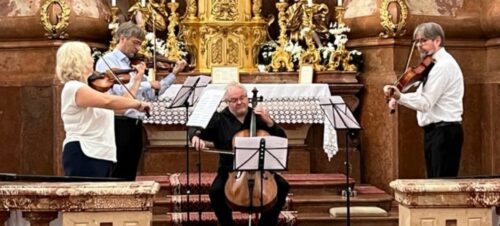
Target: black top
x=224, y=125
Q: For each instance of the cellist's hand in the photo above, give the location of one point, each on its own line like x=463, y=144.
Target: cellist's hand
x=264, y=115
x=197, y=143
x=391, y=91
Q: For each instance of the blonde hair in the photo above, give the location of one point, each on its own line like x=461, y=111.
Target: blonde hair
x=72, y=61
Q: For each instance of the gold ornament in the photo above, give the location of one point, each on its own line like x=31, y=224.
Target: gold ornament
x=55, y=26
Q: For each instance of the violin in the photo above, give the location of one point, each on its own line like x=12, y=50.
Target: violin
x=158, y=61
x=413, y=76
x=110, y=77
x=244, y=190
x=103, y=81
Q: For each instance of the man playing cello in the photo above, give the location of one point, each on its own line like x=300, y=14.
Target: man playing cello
x=221, y=130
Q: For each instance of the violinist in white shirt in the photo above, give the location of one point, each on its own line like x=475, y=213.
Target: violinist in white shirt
x=438, y=102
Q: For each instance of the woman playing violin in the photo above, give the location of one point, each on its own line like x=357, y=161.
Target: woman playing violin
x=438, y=102
x=89, y=148
x=221, y=130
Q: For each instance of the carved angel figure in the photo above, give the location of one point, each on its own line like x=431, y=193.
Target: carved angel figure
x=295, y=19
x=153, y=13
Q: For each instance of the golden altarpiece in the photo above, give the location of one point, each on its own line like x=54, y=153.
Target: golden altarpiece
x=224, y=33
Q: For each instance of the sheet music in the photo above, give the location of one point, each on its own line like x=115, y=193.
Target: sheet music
x=247, y=156
x=201, y=81
x=204, y=109
x=338, y=113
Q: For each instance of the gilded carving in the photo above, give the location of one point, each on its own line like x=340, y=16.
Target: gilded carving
x=55, y=25
x=153, y=13
x=256, y=8
x=216, y=49
x=232, y=51
x=205, y=33
x=219, y=42
x=297, y=21
x=394, y=24
x=225, y=9
x=191, y=10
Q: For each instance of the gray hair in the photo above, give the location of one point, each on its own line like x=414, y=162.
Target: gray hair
x=233, y=85
x=129, y=29
x=430, y=30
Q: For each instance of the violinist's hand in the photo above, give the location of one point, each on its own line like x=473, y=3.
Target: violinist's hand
x=155, y=84
x=264, y=115
x=140, y=67
x=391, y=91
x=197, y=143
x=144, y=106
x=392, y=104
x=179, y=66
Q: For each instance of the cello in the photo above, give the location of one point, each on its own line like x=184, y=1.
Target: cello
x=250, y=191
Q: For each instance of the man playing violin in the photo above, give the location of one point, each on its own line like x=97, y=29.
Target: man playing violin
x=438, y=102
x=221, y=129
x=128, y=126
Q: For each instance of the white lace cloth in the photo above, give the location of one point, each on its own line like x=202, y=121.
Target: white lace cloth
x=286, y=103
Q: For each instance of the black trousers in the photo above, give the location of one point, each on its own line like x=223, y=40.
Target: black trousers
x=77, y=164
x=129, y=147
x=443, y=146
x=224, y=213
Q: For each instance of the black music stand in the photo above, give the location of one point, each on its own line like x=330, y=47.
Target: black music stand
x=186, y=97
x=260, y=154
x=341, y=118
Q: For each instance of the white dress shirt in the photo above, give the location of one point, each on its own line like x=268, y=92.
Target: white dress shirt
x=440, y=99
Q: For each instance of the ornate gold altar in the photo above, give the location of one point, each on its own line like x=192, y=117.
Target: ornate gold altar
x=224, y=33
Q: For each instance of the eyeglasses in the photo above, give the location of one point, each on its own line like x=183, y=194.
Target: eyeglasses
x=236, y=99
x=421, y=40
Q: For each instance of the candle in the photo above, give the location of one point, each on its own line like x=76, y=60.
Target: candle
x=173, y=1
x=339, y=2
x=143, y=3
x=113, y=2
x=309, y=2
x=282, y=0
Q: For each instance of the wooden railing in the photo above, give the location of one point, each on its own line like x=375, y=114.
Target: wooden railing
x=82, y=203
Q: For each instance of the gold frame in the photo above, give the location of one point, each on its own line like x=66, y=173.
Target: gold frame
x=55, y=30
x=390, y=28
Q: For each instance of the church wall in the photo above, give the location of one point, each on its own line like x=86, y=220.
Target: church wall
x=31, y=132
x=392, y=144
